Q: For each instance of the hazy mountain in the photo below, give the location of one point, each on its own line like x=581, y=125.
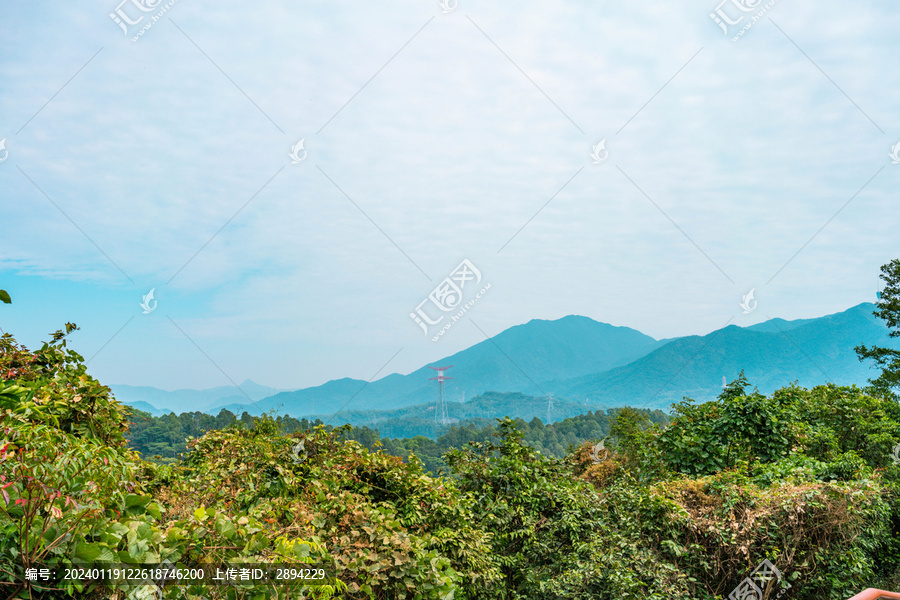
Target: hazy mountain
x=180, y=401
x=581, y=361
x=772, y=355
x=149, y=408
x=512, y=361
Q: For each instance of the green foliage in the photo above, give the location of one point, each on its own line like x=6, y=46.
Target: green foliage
x=888, y=382
x=59, y=390
x=827, y=538
x=634, y=440
x=553, y=439
x=391, y=531
x=164, y=438
x=554, y=536
x=71, y=492
x=753, y=430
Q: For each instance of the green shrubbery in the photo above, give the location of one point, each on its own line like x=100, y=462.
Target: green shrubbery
x=73, y=494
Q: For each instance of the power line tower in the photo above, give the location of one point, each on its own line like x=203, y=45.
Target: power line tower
x=440, y=415
x=549, y=407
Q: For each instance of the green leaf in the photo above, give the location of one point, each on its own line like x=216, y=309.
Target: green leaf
x=4, y=297
x=225, y=528
x=90, y=553
x=154, y=511
x=85, y=553
x=136, y=500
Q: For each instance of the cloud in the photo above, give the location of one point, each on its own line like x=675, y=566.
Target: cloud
x=432, y=138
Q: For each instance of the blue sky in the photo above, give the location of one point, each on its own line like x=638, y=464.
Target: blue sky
x=430, y=138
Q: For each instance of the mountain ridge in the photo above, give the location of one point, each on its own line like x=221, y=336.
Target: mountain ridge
x=594, y=363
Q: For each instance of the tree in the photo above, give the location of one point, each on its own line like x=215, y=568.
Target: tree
x=888, y=308
x=224, y=419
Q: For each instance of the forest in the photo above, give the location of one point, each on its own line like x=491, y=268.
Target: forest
x=164, y=439
x=794, y=494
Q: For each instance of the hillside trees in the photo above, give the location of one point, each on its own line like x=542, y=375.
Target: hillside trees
x=888, y=308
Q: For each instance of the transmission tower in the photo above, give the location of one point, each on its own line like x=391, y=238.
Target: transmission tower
x=549, y=407
x=440, y=415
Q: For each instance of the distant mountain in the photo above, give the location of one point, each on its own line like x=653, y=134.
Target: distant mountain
x=514, y=360
x=582, y=362
x=149, y=408
x=180, y=401
x=772, y=355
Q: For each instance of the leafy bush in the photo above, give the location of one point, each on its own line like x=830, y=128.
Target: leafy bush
x=554, y=536
x=71, y=492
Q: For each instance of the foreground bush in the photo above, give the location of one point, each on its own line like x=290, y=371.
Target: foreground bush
x=71, y=493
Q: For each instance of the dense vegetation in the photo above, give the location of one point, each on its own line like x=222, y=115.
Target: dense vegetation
x=163, y=439
x=806, y=479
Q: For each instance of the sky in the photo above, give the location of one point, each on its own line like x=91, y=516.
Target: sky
x=324, y=189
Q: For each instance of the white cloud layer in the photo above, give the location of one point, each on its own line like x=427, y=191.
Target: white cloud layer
x=431, y=138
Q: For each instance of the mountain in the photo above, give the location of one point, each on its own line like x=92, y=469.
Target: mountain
x=149, y=408
x=772, y=355
x=512, y=361
x=589, y=363
x=180, y=401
